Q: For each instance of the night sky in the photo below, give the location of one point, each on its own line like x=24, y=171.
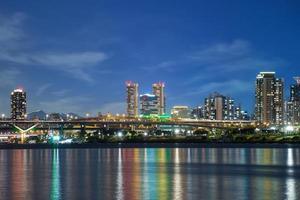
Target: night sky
x=74, y=56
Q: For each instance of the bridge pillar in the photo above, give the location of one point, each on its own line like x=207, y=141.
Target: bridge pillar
x=133, y=128
x=82, y=131
x=61, y=130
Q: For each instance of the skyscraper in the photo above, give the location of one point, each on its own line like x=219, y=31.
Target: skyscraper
x=219, y=107
x=132, y=99
x=293, y=105
x=18, y=104
x=158, y=90
x=269, y=99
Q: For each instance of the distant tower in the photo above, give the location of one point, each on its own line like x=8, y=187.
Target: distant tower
x=18, y=104
x=132, y=98
x=269, y=99
x=159, y=91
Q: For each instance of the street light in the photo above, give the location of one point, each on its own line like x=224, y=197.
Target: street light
x=3, y=116
x=289, y=129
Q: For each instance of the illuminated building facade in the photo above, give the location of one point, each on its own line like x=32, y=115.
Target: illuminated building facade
x=198, y=112
x=219, y=107
x=180, y=112
x=269, y=103
x=293, y=105
x=159, y=91
x=18, y=104
x=149, y=104
x=132, y=98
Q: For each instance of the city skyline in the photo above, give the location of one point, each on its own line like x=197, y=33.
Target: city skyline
x=133, y=99
x=64, y=60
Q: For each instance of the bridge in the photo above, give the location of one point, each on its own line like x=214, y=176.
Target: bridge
x=26, y=126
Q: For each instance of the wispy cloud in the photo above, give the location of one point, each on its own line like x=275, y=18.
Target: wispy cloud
x=9, y=77
x=215, y=60
x=76, y=64
x=114, y=107
x=42, y=89
x=165, y=65
x=235, y=56
x=60, y=93
x=227, y=87
x=65, y=104
x=11, y=29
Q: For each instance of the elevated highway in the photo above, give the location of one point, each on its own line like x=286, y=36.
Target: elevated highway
x=89, y=124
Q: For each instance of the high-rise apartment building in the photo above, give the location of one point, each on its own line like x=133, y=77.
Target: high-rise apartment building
x=132, y=99
x=219, y=107
x=18, y=104
x=293, y=105
x=159, y=91
x=197, y=112
x=269, y=99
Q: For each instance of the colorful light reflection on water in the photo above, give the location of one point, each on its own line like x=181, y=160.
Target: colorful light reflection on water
x=150, y=173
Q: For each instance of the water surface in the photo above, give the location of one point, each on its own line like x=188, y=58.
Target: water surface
x=150, y=173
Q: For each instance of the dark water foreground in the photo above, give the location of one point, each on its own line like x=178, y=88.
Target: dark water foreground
x=151, y=173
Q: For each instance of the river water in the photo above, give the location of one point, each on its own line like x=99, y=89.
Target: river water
x=150, y=173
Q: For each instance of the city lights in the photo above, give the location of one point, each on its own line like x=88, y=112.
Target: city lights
x=289, y=128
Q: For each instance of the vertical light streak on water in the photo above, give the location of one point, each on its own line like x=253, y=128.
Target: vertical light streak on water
x=120, y=189
x=162, y=174
x=290, y=182
x=177, y=177
x=290, y=189
x=55, y=185
x=189, y=155
x=224, y=157
x=26, y=170
x=136, y=174
x=258, y=157
x=243, y=156
x=145, y=186
x=213, y=155
x=152, y=174
x=290, y=158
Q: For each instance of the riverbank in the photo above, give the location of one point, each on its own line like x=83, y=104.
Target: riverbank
x=149, y=145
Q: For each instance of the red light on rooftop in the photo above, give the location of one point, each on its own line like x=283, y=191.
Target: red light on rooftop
x=130, y=83
x=160, y=83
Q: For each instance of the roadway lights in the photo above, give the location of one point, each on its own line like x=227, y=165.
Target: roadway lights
x=56, y=138
x=120, y=134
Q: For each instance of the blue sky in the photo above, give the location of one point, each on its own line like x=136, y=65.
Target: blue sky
x=74, y=56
